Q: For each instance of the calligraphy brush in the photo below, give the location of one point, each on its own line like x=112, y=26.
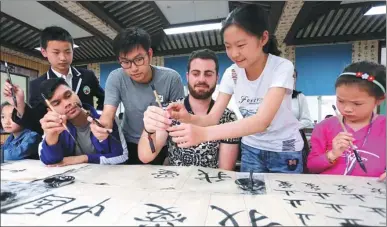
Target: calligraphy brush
x=156, y=95
x=96, y=121
x=10, y=81
x=63, y=124
x=151, y=144
x=251, y=182
x=357, y=155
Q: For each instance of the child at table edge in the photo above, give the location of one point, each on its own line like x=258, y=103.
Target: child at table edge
x=359, y=90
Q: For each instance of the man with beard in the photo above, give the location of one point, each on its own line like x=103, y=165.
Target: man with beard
x=202, y=76
x=59, y=147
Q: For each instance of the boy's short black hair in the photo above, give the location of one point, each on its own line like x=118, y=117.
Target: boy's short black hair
x=206, y=54
x=54, y=33
x=129, y=39
x=48, y=87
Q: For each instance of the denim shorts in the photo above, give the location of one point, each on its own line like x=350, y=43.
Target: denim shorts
x=262, y=161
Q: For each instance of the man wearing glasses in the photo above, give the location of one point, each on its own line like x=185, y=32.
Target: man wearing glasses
x=131, y=85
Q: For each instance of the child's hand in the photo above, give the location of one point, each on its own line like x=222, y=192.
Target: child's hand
x=341, y=143
x=178, y=112
x=382, y=177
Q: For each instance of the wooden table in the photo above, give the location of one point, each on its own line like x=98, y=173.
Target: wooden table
x=191, y=196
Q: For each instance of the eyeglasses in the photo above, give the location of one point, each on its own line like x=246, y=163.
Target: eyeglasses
x=138, y=61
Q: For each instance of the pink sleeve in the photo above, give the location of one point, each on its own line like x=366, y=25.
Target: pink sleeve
x=317, y=160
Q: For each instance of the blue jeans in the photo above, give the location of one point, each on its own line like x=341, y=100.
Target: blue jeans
x=261, y=161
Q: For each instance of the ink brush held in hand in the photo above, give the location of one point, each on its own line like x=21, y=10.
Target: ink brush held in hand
x=156, y=95
x=161, y=106
x=151, y=143
x=251, y=181
x=97, y=122
x=12, y=87
x=357, y=155
x=63, y=124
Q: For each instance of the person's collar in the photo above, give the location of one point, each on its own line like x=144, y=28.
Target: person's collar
x=152, y=69
x=58, y=74
x=188, y=107
x=74, y=71
x=19, y=136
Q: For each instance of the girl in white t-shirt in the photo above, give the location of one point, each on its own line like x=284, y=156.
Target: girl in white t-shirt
x=262, y=84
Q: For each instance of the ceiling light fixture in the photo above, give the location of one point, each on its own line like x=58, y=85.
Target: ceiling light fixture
x=38, y=48
x=376, y=10
x=193, y=28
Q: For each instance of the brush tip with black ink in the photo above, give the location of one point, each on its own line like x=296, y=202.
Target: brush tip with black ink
x=153, y=87
x=43, y=96
x=94, y=119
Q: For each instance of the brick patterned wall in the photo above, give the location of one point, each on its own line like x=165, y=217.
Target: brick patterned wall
x=289, y=14
x=89, y=17
x=288, y=52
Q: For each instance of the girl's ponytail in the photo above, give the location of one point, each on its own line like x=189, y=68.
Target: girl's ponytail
x=271, y=46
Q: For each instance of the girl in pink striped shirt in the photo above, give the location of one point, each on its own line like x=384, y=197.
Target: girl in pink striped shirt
x=359, y=89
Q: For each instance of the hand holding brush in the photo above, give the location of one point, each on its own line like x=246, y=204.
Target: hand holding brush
x=9, y=80
x=93, y=119
x=63, y=123
x=354, y=148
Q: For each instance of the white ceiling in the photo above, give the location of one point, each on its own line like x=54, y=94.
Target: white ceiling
x=178, y=12
x=37, y=15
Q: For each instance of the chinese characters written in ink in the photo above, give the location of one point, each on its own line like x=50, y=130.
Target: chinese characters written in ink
x=163, y=173
x=295, y=202
x=304, y=217
x=312, y=186
x=344, y=188
x=256, y=218
x=205, y=176
x=323, y=195
x=51, y=202
x=284, y=184
x=287, y=192
x=377, y=210
x=38, y=206
x=337, y=207
x=161, y=216
x=81, y=210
